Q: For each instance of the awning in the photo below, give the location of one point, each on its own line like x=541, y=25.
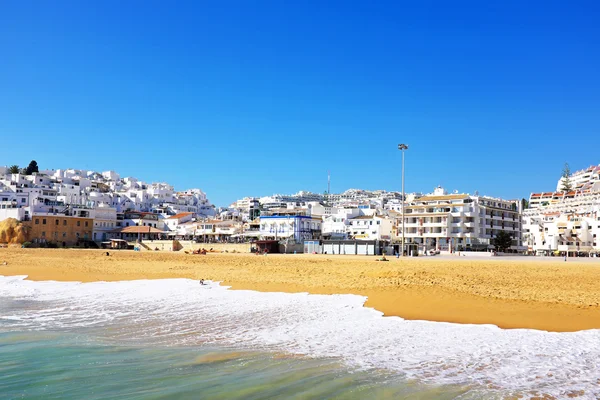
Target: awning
x=138, y=229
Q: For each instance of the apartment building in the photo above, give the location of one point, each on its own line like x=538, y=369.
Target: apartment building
x=563, y=223
x=458, y=222
x=585, y=179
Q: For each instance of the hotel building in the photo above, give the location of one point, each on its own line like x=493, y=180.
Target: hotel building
x=458, y=222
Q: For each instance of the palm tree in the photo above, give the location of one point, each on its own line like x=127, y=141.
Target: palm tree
x=13, y=169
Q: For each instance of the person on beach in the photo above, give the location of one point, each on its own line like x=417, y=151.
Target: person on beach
x=202, y=281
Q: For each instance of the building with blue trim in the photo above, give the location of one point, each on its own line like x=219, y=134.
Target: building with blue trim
x=297, y=227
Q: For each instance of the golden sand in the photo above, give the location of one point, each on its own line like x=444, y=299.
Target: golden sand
x=541, y=294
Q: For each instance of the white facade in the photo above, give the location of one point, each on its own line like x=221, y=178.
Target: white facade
x=562, y=222
x=103, y=196
x=458, y=222
x=297, y=227
x=370, y=228
x=585, y=179
x=171, y=223
x=336, y=226
x=105, y=221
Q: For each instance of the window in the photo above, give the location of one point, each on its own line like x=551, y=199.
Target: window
x=43, y=234
x=78, y=223
x=37, y=221
x=44, y=221
x=56, y=222
x=64, y=222
x=64, y=234
x=86, y=223
x=23, y=200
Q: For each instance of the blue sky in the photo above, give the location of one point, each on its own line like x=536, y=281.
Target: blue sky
x=253, y=98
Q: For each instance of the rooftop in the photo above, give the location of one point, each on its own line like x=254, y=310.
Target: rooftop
x=180, y=215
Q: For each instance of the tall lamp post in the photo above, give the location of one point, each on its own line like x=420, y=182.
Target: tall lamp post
x=402, y=147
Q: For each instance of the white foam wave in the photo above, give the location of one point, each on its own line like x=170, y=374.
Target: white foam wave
x=180, y=311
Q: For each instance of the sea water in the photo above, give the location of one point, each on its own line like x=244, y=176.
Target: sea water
x=174, y=338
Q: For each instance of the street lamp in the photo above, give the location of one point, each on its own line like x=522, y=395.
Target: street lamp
x=402, y=147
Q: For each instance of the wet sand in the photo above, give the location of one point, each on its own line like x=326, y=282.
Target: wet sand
x=547, y=294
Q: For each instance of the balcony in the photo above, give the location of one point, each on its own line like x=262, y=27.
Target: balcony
x=434, y=234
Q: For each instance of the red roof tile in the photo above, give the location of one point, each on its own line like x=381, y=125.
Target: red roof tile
x=180, y=215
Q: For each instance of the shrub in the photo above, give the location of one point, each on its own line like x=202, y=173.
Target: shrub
x=27, y=245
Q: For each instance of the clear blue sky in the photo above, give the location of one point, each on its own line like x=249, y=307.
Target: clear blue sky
x=254, y=98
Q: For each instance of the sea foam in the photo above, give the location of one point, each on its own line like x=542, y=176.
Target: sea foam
x=182, y=312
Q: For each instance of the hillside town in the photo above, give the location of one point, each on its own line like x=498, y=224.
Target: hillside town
x=68, y=208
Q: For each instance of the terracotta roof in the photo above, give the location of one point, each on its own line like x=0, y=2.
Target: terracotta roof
x=138, y=229
x=180, y=215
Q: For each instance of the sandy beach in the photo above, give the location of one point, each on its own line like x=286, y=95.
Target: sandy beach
x=546, y=294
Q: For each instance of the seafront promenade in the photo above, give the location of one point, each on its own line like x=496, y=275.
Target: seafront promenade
x=511, y=292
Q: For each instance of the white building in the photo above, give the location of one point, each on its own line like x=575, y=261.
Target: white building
x=585, y=179
x=559, y=223
x=374, y=227
x=458, y=222
x=296, y=227
x=335, y=226
x=105, y=221
x=172, y=222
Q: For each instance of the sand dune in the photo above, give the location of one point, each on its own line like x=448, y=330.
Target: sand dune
x=511, y=293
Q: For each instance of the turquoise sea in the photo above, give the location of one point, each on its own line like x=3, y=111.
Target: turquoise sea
x=70, y=366
x=175, y=339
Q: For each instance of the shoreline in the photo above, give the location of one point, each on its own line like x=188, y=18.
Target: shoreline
x=539, y=294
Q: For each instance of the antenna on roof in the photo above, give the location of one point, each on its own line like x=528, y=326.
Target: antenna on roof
x=328, y=182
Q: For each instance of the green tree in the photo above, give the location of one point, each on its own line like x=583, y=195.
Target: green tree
x=566, y=179
x=32, y=167
x=524, y=204
x=13, y=169
x=502, y=241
